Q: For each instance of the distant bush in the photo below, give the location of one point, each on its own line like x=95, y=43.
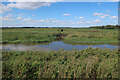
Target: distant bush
x=74, y=36
x=106, y=27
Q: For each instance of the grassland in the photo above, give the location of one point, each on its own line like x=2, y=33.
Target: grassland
x=68, y=35
x=88, y=63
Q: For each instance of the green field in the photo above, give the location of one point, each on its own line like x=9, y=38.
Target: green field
x=68, y=35
x=88, y=63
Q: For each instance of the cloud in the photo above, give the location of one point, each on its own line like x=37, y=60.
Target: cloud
x=23, y=5
x=7, y=18
x=19, y=18
x=59, y=0
x=113, y=17
x=52, y=19
x=103, y=16
x=41, y=20
x=97, y=20
x=37, y=21
x=97, y=14
x=28, y=5
x=78, y=22
x=34, y=0
x=66, y=14
x=55, y=21
x=93, y=21
x=88, y=21
x=81, y=17
x=4, y=8
x=26, y=19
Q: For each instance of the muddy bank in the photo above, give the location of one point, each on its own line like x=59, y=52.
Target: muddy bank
x=60, y=36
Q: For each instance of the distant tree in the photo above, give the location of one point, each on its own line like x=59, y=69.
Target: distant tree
x=106, y=27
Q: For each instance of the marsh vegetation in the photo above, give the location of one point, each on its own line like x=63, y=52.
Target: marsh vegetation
x=85, y=63
x=68, y=35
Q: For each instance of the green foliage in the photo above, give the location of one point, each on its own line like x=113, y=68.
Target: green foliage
x=91, y=36
x=74, y=36
x=87, y=63
x=28, y=35
x=106, y=27
x=68, y=35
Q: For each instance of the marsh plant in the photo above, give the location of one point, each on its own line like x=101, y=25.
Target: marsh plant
x=87, y=63
x=69, y=35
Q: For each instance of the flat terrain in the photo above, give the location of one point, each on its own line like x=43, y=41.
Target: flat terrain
x=68, y=35
x=86, y=63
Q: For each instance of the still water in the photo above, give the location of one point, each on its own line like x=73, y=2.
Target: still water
x=53, y=46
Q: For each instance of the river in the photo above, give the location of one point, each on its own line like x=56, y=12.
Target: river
x=53, y=46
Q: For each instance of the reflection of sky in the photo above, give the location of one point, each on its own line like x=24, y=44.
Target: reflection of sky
x=0, y=46
x=23, y=48
x=56, y=45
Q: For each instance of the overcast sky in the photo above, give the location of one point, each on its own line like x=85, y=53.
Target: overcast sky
x=59, y=14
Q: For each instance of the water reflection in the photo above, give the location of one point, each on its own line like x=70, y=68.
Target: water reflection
x=56, y=45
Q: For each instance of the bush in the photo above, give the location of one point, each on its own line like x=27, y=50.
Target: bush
x=88, y=63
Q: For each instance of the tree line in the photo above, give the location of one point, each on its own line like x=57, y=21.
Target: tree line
x=106, y=27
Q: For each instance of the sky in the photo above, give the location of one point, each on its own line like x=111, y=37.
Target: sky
x=60, y=0
x=58, y=14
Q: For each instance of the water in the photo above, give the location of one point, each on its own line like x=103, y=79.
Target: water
x=53, y=46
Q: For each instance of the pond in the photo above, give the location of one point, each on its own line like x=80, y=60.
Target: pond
x=53, y=46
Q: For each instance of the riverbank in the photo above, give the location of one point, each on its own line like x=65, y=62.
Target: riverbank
x=68, y=35
x=87, y=63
